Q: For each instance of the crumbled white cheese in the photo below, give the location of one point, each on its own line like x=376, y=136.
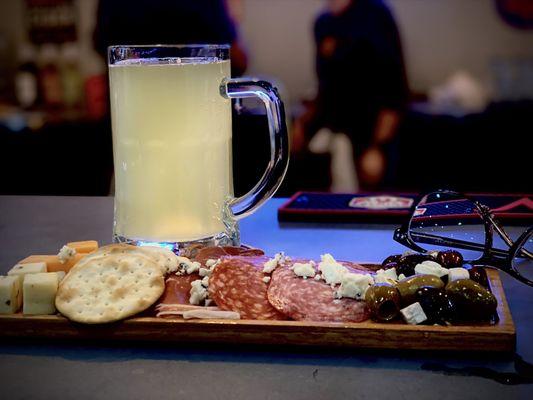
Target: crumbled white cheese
x=198, y=292
x=273, y=263
x=430, y=268
x=433, y=253
x=318, y=277
x=332, y=271
x=204, y=271
x=414, y=314
x=401, y=277
x=304, y=270
x=455, y=274
x=386, y=276
x=187, y=266
x=65, y=254
x=211, y=263
x=266, y=279
x=205, y=281
x=354, y=285
x=208, y=302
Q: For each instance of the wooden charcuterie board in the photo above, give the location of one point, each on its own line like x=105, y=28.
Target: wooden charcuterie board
x=498, y=337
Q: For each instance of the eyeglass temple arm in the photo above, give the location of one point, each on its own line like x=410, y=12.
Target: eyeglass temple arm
x=461, y=244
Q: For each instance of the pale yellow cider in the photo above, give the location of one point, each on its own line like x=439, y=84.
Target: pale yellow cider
x=172, y=148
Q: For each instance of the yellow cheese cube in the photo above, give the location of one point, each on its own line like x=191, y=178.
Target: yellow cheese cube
x=53, y=263
x=10, y=294
x=86, y=246
x=39, y=292
x=21, y=270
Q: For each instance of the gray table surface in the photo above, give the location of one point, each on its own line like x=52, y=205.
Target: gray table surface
x=30, y=369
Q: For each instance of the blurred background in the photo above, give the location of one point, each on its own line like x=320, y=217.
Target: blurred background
x=397, y=95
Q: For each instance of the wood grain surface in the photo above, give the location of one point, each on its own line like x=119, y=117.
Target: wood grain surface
x=499, y=337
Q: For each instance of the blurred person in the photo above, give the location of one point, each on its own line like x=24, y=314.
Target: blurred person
x=123, y=22
x=362, y=85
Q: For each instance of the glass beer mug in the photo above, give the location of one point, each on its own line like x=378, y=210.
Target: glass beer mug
x=171, y=119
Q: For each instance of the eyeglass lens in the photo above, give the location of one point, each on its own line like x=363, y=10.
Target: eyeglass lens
x=524, y=265
x=452, y=218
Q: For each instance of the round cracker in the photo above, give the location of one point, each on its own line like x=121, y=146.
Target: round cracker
x=109, y=288
x=166, y=259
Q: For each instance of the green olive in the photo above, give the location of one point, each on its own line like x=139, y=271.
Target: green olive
x=383, y=301
x=472, y=300
x=408, y=286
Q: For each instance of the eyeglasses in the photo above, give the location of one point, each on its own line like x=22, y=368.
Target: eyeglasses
x=448, y=219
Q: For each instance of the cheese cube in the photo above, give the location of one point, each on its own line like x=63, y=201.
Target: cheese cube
x=39, y=292
x=60, y=275
x=53, y=263
x=86, y=246
x=414, y=314
x=458, y=273
x=21, y=270
x=10, y=294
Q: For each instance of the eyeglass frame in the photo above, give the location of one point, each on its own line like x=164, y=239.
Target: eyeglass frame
x=496, y=258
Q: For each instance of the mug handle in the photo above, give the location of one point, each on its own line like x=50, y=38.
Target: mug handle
x=279, y=142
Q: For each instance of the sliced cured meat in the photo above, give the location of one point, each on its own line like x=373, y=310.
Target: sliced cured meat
x=177, y=289
x=216, y=252
x=312, y=300
x=177, y=310
x=236, y=284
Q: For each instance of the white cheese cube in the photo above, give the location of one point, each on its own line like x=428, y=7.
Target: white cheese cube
x=304, y=270
x=430, y=268
x=354, y=285
x=414, y=314
x=39, y=292
x=60, y=275
x=10, y=294
x=455, y=274
x=21, y=270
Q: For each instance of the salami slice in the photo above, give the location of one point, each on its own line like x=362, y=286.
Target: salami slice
x=177, y=289
x=216, y=252
x=236, y=284
x=313, y=300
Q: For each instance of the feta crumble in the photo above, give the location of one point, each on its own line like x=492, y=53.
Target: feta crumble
x=331, y=270
x=354, y=285
x=455, y=274
x=430, y=268
x=304, y=270
x=273, y=263
x=386, y=276
x=187, y=266
x=266, y=279
x=65, y=254
x=198, y=292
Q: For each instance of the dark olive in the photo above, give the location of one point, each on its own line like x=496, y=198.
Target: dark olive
x=408, y=286
x=436, y=304
x=450, y=259
x=383, y=300
x=389, y=259
x=479, y=275
x=473, y=301
x=407, y=263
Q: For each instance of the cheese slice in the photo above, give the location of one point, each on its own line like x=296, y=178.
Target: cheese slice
x=10, y=294
x=39, y=292
x=53, y=263
x=85, y=246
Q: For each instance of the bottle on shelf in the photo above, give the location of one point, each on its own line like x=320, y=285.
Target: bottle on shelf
x=49, y=76
x=26, y=77
x=71, y=78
